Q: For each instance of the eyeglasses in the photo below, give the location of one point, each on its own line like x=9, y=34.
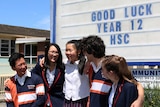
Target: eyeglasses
x=53, y=52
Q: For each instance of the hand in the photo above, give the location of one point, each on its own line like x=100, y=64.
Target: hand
x=6, y=82
x=88, y=103
x=41, y=62
x=86, y=67
x=137, y=103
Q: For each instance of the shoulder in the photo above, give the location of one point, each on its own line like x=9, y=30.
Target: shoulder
x=130, y=90
x=37, y=69
x=129, y=86
x=10, y=82
x=65, y=61
x=35, y=76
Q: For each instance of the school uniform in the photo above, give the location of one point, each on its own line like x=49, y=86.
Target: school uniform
x=53, y=82
x=124, y=95
x=25, y=91
x=76, y=86
x=100, y=87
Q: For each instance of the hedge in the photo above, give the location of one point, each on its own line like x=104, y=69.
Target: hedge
x=152, y=97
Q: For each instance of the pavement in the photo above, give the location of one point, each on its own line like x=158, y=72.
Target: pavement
x=3, y=104
x=2, y=98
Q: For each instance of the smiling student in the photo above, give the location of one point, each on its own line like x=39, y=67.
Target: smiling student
x=25, y=89
x=52, y=74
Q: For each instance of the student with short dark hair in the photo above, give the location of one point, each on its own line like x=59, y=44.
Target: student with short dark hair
x=94, y=50
x=25, y=89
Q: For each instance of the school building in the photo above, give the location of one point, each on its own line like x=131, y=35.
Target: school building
x=31, y=42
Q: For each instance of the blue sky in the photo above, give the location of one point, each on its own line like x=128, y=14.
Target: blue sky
x=26, y=13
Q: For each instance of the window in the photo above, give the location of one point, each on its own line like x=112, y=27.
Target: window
x=7, y=47
x=30, y=54
x=12, y=46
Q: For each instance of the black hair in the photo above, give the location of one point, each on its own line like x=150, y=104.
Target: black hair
x=14, y=57
x=81, y=57
x=59, y=61
x=93, y=45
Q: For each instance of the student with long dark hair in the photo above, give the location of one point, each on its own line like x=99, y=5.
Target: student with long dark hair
x=53, y=76
x=76, y=86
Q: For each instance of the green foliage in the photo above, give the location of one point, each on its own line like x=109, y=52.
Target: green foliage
x=152, y=97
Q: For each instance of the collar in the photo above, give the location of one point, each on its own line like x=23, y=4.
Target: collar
x=119, y=90
x=96, y=69
x=51, y=72
x=27, y=74
x=75, y=63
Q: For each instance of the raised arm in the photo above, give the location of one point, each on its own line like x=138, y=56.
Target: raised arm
x=140, y=99
x=38, y=67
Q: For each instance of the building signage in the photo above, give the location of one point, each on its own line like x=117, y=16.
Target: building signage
x=148, y=77
x=129, y=28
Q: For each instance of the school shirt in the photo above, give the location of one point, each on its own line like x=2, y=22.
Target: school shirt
x=111, y=95
x=50, y=76
x=124, y=95
x=100, y=87
x=25, y=91
x=53, y=82
x=76, y=86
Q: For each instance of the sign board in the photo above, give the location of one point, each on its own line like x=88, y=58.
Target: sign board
x=148, y=77
x=129, y=28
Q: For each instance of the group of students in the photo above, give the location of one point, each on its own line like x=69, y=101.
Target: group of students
x=87, y=78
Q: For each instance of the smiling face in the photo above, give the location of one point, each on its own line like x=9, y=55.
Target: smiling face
x=20, y=67
x=71, y=52
x=53, y=54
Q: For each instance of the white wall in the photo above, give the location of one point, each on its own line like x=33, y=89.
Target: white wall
x=134, y=36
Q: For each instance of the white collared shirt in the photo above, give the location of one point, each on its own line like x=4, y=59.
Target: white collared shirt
x=21, y=80
x=76, y=86
x=96, y=69
x=111, y=95
x=50, y=76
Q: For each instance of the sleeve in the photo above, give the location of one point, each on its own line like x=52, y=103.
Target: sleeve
x=131, y=94
x=40, y=91
x=8, y=98
x=37, y=69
